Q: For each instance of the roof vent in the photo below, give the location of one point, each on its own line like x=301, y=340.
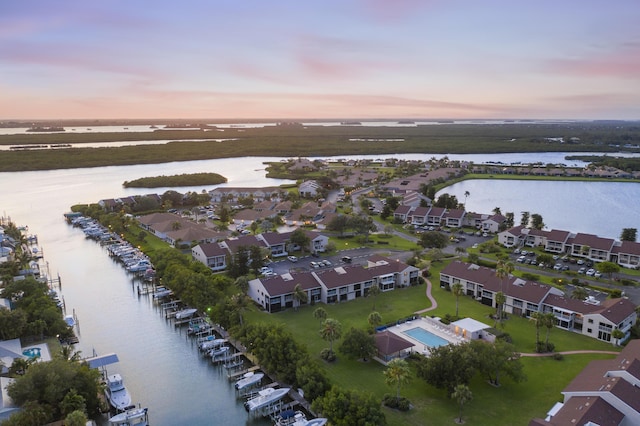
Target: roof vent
x=287, y=277
x=340, y=270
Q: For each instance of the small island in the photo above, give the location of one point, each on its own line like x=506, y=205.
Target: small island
x=187, y=179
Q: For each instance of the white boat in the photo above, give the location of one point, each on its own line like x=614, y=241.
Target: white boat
x=249, y=379
x=211, y=344
x=218, y=352
x=265, y=397
x=117, y=395
x=185, y=313
x=132, y=417
x=297, y=418
x=320, y=421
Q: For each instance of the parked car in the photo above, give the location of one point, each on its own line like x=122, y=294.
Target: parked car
x=314, y=264
x=292, y=258
x=582, y=270
x=346, y=259
x=557, y=266
x=591, y=272
x=326, y=262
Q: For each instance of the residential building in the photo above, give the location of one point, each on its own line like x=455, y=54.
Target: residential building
x=590, y=318
x=333, y=285
x=309, y=189
x=212, y=255
x=605, y=393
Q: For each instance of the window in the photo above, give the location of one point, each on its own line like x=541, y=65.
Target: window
x=590, y=321
x=589, y=330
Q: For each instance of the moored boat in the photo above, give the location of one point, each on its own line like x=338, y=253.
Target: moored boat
x=249, y=379
x=131, y=417
x=219, y=352
x=265, y=397
x=117, y=394
x=185, y=313
x=209, y=345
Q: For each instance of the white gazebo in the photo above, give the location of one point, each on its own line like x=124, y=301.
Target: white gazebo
x=470, y=329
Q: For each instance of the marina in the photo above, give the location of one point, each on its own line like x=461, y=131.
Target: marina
x=260, y=402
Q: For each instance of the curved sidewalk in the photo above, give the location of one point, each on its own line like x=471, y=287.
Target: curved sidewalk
x=434, y=304
x=570, y=353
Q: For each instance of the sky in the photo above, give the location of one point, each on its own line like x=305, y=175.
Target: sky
x=297, y=59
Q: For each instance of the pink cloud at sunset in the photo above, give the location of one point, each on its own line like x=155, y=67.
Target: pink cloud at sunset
x=353, y=58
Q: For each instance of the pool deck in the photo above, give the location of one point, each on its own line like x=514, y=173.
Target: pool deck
x=431, y=325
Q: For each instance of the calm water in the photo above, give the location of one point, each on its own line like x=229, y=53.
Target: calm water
x=160, y=366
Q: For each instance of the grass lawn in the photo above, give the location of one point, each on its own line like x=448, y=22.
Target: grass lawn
x=509, y=404
x=391, y=242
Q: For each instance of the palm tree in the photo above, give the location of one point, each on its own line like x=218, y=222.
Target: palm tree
x=397, y=374
x=67, y=353
x=458, y=290
x=500, y=299
x=503, y=270
x=466, y=195
x=463, y=394
x=239, y=304
x=374, y=291
x=549, y=321
x=579, y=293
x=299, y=296
x=617, y=334
x=536, y=317
x=320, y=313
x=331, y=330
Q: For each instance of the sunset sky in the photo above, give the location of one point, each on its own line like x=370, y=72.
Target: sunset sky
x=319, y=59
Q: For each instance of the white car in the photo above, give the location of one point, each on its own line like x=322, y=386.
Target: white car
x=591, y=272
x=292, y=258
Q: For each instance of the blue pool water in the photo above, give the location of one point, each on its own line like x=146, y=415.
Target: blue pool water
x=32, y=352
x=426, y=338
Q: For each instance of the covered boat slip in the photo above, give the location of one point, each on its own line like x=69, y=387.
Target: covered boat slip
x=102, y=361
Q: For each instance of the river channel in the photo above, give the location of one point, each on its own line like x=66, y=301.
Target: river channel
x=161, y=367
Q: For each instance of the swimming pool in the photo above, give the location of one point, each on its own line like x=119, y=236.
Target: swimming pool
x=32, y=352
x=425, y=337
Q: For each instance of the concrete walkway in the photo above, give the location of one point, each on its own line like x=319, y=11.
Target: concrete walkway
x=434, y=304
x=570, y=353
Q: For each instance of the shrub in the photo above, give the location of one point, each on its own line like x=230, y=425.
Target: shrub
x=402, y=403
x=558, y=356
x=530, y=277
x=505, y=336
x=328, y=355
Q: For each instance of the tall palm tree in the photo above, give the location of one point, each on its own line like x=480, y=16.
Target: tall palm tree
x=536, y=317
x=397, y=374
x=549, y=321
x=463, y=394
x=331, y=330
x=458, y=290
x=466, y=195
x=503, y=270
x=299, y=296
x=320, y=313
x=500, y=299
x=374, y=291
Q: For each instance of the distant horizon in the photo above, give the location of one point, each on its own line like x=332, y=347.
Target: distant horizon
x=298, y=120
